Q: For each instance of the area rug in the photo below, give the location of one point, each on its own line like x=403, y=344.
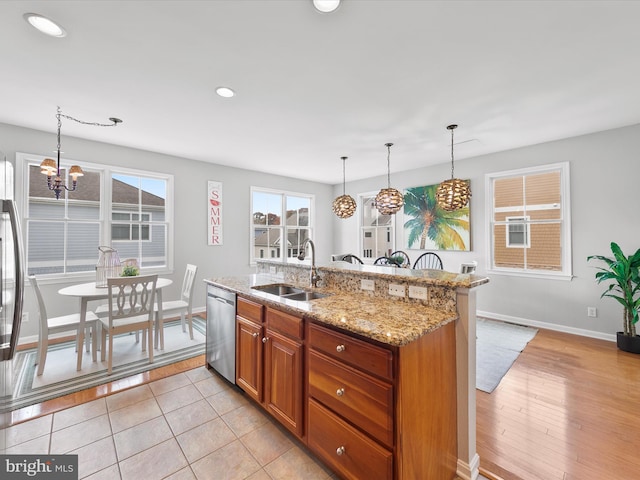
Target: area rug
x=497, y=347
x=61, y=378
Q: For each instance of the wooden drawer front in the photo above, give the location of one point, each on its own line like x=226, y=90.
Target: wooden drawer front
x=249, y=310
x=284, y=323
x=346, y=449
x=373, y=359
x=363, y=400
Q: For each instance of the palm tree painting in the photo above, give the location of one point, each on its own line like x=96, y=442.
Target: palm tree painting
x=429, y=227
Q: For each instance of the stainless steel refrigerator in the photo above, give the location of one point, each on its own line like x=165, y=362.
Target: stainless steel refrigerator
x=11, y=293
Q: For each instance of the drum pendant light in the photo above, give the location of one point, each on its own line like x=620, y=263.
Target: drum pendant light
x=344, y=206
x=453, y=194
x=389, y=200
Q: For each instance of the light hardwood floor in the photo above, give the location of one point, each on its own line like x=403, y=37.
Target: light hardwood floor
x=566, y=410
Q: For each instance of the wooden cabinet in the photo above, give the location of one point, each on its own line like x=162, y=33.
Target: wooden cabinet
x=376, y=411
x=269, y=356
x=366, y=409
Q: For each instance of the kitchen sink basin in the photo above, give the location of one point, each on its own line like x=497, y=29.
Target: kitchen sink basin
x=289, y=292
x=305, y=296
x=279, y=289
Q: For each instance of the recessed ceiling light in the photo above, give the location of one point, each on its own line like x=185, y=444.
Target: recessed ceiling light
x=225, y=92
x=45, y=25
x=326, y=6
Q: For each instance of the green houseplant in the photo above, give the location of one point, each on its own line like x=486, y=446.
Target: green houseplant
x=130, y=271
x=623, y=273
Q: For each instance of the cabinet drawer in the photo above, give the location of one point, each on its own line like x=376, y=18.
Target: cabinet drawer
x=284, y=323
x=249, y=310
x=363, y=400
x=345, y=449
x=363, y=355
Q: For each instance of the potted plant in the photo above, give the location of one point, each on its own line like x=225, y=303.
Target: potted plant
x=624, y=274
x=130, y=271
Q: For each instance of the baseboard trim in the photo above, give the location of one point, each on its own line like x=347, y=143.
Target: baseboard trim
x=548, y=326
x=469, y=471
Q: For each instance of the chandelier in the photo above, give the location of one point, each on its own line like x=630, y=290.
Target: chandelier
x=389, y=200
x=344, y=206
x=453, y=194
x=51, y=168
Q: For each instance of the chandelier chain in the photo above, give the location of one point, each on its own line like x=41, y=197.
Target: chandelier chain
x=115, y=121
x=344, y=176
x=389, y=164
x=452, y=153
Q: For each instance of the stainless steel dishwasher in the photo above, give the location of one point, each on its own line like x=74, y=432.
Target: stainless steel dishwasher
x=221, y=332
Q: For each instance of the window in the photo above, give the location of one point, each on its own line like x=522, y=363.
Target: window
x=125, y=209
x=376, y=230
x=280, y=222
x=530, y=221
x=517, y=232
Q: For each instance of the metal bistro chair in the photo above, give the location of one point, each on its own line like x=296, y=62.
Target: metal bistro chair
x=66, y=323
x=131, y=301
x=384, y=261
x=352, y=259
x=428, y=260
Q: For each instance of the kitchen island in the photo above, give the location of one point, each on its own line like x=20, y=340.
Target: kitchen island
x=376, y=385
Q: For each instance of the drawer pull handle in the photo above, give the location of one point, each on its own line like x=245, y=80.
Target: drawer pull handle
x=340, y=348
x=340, y=451
x=254, y=335
x=340, y=392
x=264, y=339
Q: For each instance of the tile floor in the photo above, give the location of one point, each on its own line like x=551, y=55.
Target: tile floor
x=192, y=425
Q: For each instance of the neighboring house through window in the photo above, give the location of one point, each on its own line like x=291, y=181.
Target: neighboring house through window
x=530, y=227
x=280, y=222
x=376, y=230
x=123, y=208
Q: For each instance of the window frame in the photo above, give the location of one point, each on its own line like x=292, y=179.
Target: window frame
x=25, y=160
x=280, y=254
x=565, y=222
x=133, y=223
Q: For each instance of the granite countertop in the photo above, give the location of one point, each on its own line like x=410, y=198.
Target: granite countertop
x=386, y=320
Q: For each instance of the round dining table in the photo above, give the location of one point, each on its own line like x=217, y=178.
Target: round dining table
x=88, y=292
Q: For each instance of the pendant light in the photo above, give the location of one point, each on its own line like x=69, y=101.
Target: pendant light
x=453, y=194
x=389, y=200
x=51, y=167
x=344, y=206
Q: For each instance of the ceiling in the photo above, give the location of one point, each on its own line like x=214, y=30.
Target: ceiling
x=313, y=87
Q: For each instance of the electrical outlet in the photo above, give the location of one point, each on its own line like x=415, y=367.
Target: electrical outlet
x=25, y=317
x=396, y=290
x=417, y=292
x=367, y=285
x=592, y=312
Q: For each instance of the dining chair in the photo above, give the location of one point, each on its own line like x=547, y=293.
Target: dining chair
x=383, y=261
x=66, y=323
x=399, y=254
x=428, y=260
x=131, y=301
x=182, y=306
x=352, y=259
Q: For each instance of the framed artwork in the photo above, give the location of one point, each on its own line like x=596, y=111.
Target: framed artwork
x=428, y=227
x=214, y=213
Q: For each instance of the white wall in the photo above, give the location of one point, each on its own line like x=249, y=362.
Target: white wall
x=605, y=168
x=190, y=216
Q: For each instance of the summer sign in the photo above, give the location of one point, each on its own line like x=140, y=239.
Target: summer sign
x=214, y=207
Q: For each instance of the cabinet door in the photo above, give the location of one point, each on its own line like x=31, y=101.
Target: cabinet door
x=249, y=357
x=283, y=380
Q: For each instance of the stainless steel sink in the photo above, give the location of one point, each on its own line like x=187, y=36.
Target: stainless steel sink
x=305, y=296
x=289, y=292
x=279, y=289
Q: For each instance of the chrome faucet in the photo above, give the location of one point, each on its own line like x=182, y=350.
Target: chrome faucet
x=313, y=279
